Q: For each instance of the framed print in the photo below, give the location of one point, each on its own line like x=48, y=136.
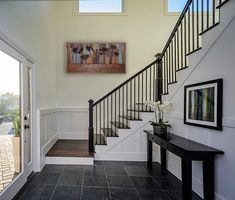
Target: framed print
x=96, y=57
x=203, y=104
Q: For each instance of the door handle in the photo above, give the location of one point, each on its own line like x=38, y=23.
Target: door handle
x=26, y=126
x=26, y=117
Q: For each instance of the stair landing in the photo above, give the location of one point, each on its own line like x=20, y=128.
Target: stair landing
x=70, y=152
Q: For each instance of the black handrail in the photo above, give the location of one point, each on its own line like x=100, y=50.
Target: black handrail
x=124, y=83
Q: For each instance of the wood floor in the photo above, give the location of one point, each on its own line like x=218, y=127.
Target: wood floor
x=70, y=148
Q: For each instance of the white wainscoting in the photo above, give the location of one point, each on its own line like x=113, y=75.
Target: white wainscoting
x=72, y=123
x=60, y=123
x=47, y=120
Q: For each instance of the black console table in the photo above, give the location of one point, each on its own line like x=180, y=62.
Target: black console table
x=187, y=150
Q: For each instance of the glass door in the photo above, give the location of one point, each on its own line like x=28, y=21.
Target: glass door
x=15, y=122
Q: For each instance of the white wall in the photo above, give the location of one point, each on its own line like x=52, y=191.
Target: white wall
x=216, y=62
x=145, y=30
x=31, y=24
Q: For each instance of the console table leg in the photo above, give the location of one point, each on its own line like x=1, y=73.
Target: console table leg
x=150, y=153
x=186, y=179
x=163, y=158
x=208, y=178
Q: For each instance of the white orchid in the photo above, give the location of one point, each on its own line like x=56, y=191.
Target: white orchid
x=159, y=108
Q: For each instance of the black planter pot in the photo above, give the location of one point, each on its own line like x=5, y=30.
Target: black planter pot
x=163, y=132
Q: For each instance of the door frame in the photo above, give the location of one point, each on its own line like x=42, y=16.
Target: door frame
x=11, y=48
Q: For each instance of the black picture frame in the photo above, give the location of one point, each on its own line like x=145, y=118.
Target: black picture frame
x=203, y=104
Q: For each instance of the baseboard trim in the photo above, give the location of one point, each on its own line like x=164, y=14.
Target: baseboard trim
x=69, y=160
x=120, y=156
x=49, y=144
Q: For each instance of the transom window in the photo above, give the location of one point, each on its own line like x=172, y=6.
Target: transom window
x=175, y=6
x=100, y=6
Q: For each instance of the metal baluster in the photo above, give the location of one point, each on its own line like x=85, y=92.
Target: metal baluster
x=115, y=104
x=197, y=24
x=150, y=85
x=100, y=124
x=146, y=91
x=170, y=72
x=213, y=15
x=123, y=97
x=178, y=50
x=111, y=110
x=131, y=98
x=189, y=31
x=96, y=124
x=182, y=46
x=134, y=98
x=175, y=57
x=165, y=73
x=119, y=107
x=202, y=15
x=185, y=43
x=142, y=96
x=193, y=38
x=207, y=14
x=104, y=114
x=154, y=84
x=107, y=112
x=167, y=69
x=172, y=61
x=138, y=96
x=127, y=103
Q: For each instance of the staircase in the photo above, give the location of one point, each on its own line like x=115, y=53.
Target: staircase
x=122, y=112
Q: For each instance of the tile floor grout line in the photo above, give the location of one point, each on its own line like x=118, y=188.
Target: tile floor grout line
x=134, y=187
x=106, y=177
x=57, y=183
x=82, y=185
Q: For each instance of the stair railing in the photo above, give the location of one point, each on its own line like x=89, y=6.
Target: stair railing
x=119, y=106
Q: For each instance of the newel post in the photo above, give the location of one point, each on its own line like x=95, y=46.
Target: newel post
x=91, y=128
x=159, y=80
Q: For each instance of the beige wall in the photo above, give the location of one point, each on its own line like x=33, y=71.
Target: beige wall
x=145, y=30
x=43, y=27
x=31, y=24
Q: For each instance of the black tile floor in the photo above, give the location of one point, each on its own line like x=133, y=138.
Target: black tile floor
x=103, y=181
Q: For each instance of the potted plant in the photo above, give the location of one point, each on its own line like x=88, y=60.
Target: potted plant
x=159, y=126
x=16, y=139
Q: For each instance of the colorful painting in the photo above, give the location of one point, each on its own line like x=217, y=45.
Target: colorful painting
x=203, y=104
x=96, y=57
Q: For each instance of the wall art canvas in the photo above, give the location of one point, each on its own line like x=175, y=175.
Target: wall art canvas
x=96, y=57
x=203, y=104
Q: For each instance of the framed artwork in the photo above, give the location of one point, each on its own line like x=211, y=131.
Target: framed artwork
x=96, y=57
x=203, y=104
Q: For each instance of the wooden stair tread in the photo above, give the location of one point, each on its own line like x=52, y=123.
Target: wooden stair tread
x=108, y=132
x=70, y=148
x=120, y=125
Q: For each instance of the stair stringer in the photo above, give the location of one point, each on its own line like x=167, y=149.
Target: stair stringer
x=131, y=145
x=209, y=39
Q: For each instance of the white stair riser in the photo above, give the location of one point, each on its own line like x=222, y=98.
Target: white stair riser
x=70, y=160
